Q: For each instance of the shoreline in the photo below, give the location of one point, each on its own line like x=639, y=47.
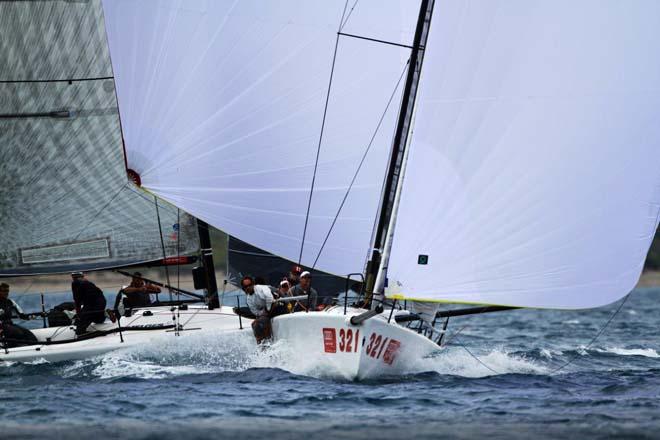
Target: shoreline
x=114, y=281
x=649, y=278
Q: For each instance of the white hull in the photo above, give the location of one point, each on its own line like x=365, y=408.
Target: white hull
x=340, y=349
x=139, y=329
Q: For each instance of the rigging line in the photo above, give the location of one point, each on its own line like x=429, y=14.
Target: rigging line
x=475, y=357
x=143, y=193
x=376, y=40
x=162, y=244
x=56, y=114
x=67, y=80
x=318, y=149
x=349, y=14
x=364, y=156
x=178, y=251
x=600, y=332
x=343, y=14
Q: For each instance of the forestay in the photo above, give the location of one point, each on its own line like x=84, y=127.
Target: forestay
x=222, y=105
x=534, y=172
x=65, y=200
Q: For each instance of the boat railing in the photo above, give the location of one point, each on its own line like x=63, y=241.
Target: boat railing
x=349, y=278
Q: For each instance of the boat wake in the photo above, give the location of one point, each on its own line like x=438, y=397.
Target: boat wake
x=208, y=353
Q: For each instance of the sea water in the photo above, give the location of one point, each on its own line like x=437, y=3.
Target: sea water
x=516, y=374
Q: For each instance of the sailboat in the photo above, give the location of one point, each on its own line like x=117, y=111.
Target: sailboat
x=503, y=154
x=67, y=202
x=499, y=154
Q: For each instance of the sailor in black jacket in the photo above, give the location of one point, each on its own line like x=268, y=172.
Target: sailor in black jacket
x=12, y=335
x=90, y=302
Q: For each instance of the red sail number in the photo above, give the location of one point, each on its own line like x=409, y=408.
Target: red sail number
x=379, y=345
x=348, y=342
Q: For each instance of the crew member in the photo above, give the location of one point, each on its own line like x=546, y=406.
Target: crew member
x=305, y=288
x=138, y=293
x=283, y=289
x=294, y=275
x=281, y=307
x=12, y=335
x=89, y=301
x=260, y=301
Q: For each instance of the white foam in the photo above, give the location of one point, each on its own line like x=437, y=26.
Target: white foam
x=457, y=361
x=190, y=353
x=646, y=352
x=207, y=352
x=549, y=353
x=38, y=361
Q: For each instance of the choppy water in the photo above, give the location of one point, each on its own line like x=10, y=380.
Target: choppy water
x=202, y=386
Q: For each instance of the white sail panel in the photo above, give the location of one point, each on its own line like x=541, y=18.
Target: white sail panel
x=222, y=105
x=534, y=172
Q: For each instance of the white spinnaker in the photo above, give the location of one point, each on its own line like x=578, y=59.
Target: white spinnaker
x=534, y=174
x=222, y=103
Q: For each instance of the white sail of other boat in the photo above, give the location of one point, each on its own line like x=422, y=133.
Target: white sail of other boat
x=65, y=199
x=66, y=202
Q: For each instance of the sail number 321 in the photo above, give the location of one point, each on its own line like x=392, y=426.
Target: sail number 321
x=379, y=347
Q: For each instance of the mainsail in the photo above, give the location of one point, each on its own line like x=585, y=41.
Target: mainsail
x=534, y=171
x=222, y=104
x=65, y=200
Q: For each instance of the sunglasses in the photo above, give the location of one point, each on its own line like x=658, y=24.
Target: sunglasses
x=244, y=287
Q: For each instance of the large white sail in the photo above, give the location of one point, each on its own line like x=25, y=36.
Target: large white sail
x=222, y=104
x=65, y=200
x=534, y=172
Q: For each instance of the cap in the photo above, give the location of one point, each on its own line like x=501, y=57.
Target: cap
x=283, y=283
x=76, y=274
x=305, y=274
x=296, y=269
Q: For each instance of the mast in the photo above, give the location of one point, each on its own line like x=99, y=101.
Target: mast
x=207, y=264
x=399, y=146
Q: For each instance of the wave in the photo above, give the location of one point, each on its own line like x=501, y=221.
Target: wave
x=208, y=353
x=645, y=352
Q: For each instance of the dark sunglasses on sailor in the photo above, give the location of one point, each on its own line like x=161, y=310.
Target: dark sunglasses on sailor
x=246, y=287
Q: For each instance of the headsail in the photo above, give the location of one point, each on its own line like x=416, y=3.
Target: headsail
x=534, y=172
x=222, y=104
x=65, y=201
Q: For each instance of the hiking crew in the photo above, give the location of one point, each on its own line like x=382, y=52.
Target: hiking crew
x=259, y=300
x=12, y=335
x=89, y=300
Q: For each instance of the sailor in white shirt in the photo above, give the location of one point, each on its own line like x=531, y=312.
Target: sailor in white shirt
x=259, y=300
